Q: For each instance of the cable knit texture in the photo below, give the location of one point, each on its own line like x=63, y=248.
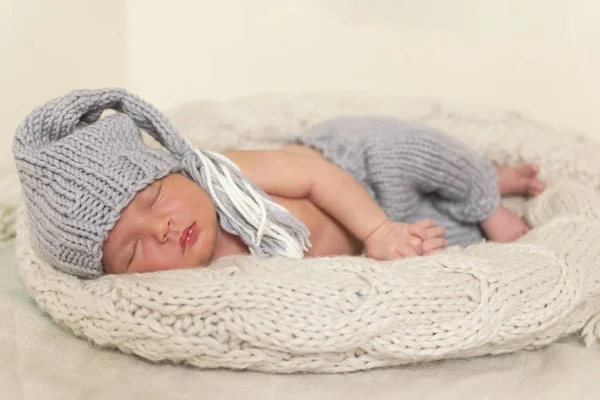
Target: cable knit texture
x=413, y=171
x=351, y=313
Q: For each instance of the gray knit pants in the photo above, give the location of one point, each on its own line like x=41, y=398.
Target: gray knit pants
x=412, y=171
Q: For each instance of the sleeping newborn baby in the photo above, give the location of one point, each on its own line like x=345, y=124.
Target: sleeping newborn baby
x=101, y=201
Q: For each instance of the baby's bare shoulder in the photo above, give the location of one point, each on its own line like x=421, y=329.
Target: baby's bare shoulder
x=289, y=156
x=288, y=171
x=259, y=159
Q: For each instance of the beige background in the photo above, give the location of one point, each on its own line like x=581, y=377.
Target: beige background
x=540, y=57
x=48, y=47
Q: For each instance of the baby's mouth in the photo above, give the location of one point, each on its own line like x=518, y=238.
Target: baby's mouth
x=188, y=236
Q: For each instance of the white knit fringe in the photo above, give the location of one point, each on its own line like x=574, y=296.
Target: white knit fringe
x=352, y=313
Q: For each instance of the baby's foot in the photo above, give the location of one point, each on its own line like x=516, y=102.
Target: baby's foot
x=520, y=180
x=504, y=226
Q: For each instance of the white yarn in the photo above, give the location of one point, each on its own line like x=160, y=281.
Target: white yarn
x=250, y=204
x=351, y=313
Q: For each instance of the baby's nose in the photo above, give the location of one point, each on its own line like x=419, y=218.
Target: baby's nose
x=160, y=228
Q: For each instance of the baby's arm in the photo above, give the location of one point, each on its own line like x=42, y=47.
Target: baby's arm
x=342, y=197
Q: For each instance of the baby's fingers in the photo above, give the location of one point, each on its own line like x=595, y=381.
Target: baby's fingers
x=419, y=228
x=433, y=245
x=406, y=251
x=416, y=244
x=434, y=232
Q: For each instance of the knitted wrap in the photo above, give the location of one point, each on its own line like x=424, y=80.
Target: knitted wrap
x=346, y=313
x=79, y=171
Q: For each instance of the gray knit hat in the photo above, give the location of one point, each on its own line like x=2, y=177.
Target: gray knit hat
x=78, y=171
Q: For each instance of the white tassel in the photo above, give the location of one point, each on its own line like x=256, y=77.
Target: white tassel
x=250, y=203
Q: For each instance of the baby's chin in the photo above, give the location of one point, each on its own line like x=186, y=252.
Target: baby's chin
x=227, y=244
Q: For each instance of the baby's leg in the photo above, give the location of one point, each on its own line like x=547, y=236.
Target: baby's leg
x=419, y=173
x=463, y=184
x=460, y=183
x=504, y=225
x=402, y=163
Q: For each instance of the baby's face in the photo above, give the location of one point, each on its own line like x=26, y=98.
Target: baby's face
x=171, y=224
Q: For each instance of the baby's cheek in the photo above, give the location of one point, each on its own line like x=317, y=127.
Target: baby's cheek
x=162, y=259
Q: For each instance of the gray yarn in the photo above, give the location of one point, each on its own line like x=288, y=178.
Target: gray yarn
x=79, y=171
x=413, y=171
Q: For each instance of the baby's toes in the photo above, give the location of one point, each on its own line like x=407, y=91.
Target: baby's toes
x=535, y=187
x=527, y=170
x=522, y=230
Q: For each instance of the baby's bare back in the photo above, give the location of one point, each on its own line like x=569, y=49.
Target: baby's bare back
x=328, y=237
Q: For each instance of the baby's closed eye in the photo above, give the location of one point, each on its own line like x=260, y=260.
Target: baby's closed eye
x=134, y=252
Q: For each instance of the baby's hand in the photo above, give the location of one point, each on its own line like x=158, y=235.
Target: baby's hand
x=396, y=240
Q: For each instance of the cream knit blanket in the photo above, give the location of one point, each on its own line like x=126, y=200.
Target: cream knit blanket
x=351, y=313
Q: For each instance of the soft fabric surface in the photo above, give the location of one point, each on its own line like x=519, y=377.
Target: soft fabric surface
x=347, y=314
x=40, y=360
